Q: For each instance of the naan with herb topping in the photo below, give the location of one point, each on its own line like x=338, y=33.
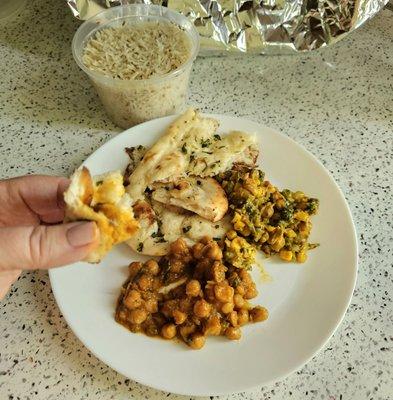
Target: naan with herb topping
x=203, y=196
x=191, y=147
x=173, y=182
x=161, y=225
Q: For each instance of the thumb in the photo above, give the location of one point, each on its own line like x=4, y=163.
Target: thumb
x=33, y=247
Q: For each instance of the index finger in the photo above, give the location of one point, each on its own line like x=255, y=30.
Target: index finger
x=41, y=194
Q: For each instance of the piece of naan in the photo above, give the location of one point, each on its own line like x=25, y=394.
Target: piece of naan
x=191, y=146
x=203, y=196
x=174, y=182
x=135, y=155
x=162, y=225
x=101, y=199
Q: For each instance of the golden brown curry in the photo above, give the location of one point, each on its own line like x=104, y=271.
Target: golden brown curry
x=211, y=298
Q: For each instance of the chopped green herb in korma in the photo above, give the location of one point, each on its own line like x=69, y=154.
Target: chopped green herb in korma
x=186, y=229
x=235, y=281
x=140, y=247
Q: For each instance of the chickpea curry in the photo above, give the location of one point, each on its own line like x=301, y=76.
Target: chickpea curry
x=189, y=294
x=204, y=290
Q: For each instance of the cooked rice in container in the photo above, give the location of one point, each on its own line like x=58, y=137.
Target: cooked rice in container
x=138, y=57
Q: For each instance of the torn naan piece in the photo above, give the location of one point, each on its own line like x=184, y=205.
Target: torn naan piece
x=203, y=196
x=191, y=147
x=148, y=240
x=175, y=181
x=135, y=154
x=170, y=223
x=104, y=201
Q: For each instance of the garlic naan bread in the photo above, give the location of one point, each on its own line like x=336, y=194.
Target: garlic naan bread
x=203, y=196
x=160, y=226
x=104, y=201
x=191, y=147
x=173, y=182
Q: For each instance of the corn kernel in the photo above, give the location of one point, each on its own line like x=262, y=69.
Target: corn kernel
x=231, y=234
x=301, y=216
x=290, y=233
x=301, y=257
x=286, y=255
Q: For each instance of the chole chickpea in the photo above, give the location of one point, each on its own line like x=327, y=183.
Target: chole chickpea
x=211, y=300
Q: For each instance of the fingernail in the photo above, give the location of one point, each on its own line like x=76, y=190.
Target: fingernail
x=81, y=234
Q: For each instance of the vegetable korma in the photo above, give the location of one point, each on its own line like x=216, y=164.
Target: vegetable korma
x=276, y=222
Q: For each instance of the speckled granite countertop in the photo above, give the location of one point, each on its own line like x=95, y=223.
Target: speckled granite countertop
x=338, y=103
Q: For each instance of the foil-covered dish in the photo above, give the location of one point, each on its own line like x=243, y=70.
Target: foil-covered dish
x=262, y=27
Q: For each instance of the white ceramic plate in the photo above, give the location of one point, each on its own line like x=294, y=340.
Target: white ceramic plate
x=306, y=302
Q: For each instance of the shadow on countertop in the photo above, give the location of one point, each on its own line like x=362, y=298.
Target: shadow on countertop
x=41, y=82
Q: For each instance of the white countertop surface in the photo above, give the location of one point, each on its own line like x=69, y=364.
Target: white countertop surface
x=338, y=103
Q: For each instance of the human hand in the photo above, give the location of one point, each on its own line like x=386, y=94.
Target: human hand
x=29, y=208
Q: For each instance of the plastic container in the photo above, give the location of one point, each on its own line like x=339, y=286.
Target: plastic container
x=10, y=7
x=130, y=102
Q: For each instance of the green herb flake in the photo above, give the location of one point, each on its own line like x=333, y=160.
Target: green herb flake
x=217, y=137
x=158, y=234
x=312, y=206
x=235, y=282
x=205, y=143
x=140, y=247
x=186, y=229
x=184, y=149
x=148, y=191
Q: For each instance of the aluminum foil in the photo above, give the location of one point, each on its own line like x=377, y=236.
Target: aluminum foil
x=266, y=27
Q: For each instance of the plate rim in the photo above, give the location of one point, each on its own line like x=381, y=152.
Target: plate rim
x=340, y=316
